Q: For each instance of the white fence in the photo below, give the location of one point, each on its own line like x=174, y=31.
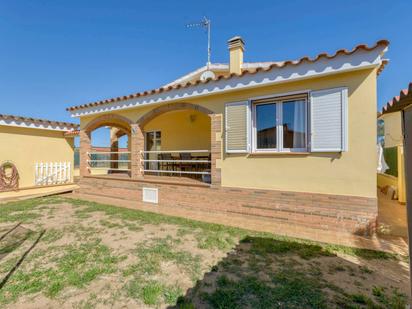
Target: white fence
x=52, y=173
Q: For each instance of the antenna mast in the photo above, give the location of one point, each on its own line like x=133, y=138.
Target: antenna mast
x=204, y=23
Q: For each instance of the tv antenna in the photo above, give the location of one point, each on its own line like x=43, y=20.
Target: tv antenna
x=204, y=23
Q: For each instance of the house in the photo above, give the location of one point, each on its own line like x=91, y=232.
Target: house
x=35, y=152
x=391, y=117
x=284, y=143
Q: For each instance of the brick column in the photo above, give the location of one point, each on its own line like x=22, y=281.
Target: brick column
x=136, y=145
x=216, y=147
x=85, y=147
x=114, y=147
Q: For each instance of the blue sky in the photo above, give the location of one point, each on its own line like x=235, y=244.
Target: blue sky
x=55, y=54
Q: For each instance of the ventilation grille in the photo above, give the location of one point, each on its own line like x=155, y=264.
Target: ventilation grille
x=151, y=195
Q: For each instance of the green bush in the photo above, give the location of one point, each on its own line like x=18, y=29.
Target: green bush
x=391, y=158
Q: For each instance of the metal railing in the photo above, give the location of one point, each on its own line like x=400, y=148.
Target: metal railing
x=101, y=160
x=191, y=163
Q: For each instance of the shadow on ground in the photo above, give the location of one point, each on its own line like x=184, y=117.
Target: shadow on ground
x=11, y=238
x=268, y=273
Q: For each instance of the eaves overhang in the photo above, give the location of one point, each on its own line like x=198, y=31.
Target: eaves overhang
x=361, y=57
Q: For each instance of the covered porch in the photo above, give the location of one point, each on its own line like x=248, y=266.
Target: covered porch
x=174, y=143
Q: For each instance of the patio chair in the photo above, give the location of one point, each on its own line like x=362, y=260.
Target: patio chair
x=185, y=166
x=168, y=166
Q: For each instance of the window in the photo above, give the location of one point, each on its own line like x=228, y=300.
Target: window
x=280, y=125
x=152, y=143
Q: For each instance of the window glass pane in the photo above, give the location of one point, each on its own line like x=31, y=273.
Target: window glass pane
x=294, y=124
x=266, y=126
x=149, y=141
x=157, y=145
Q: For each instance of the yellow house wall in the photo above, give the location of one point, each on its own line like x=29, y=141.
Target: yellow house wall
x=394, y=138
x=182, y=130
x=24, y=147
x=401, y=175
x=393, y=129
x=349, y=173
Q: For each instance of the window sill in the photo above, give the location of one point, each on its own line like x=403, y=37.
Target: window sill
x=278, y=153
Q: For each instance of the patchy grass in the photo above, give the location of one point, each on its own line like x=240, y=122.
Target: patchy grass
x=287, y=290
x=74, y=265
x=158, y=251
x=152, y=292
x=52, y=235
x=104, y=256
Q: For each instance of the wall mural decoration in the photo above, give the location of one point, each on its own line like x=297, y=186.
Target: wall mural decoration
x=9, y=176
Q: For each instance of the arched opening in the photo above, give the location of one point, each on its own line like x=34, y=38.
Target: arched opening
x=105, y=146
x=177, y=142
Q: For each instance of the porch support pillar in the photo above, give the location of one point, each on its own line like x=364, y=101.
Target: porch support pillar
x=114, y=147
x=136, y=145
x=216, y=147
x=85, y=148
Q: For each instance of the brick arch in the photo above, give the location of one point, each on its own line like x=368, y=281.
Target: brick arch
x=142, y=121
x=111, y=120
x=120, y=132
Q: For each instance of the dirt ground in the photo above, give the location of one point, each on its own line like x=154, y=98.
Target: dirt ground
x=97, y=256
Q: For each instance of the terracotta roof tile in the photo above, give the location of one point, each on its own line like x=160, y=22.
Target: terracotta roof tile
x=39, y=121
x=275, y=65
x=72, y=133
x=400, y=101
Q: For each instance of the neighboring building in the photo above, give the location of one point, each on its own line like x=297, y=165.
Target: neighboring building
x=288, y=142
x=391, y=116
x=27, y=142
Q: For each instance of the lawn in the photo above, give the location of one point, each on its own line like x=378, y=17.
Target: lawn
x=87, y=255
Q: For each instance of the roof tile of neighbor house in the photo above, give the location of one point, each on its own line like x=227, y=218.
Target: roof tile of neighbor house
x=38, y=122
x=275, y=65
x=72, y=133
x=400, y=101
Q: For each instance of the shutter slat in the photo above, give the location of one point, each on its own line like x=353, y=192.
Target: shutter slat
x=329, y=120
x=237, y=126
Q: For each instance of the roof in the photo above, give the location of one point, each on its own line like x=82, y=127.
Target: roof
x=36, y=123
x=295, y=65
x=72, y=133
x=399, y=102
x=219, y=67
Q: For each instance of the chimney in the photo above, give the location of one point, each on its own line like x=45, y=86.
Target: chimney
x=236, y=49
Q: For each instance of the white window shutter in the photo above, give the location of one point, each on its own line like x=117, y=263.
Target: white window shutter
x=237, y=127
x=329, y=120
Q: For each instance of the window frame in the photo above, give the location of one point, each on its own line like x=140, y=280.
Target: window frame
x=278, y=101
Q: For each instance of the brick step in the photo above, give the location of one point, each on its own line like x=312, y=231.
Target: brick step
x=325, y=212
x=236, y=204
x=309, y=220
x=307, y=223
x=286, y=217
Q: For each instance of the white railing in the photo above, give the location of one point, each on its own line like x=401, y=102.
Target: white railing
x=197, y=165
x=96, y=163
x=52, y=173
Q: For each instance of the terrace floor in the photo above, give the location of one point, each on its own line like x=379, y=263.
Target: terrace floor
x=60, y=252
x=391, y=216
